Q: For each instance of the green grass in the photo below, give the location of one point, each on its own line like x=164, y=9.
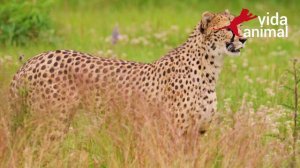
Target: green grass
x=86, y=27
x=258, y=73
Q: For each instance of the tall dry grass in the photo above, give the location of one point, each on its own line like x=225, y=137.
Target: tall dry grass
x=143, y=136
x=246, y=138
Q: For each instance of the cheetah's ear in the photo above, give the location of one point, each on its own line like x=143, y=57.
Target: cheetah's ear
x=226, y=12
x=206, y=18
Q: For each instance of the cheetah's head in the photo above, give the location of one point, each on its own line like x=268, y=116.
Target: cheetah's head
x=225, y=41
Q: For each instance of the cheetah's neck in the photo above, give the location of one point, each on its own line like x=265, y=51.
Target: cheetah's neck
x=197, y=58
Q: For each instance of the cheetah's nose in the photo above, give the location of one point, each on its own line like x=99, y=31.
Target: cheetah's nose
x=243, y=40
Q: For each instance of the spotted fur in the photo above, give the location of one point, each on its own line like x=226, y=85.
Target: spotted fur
x=184, y=80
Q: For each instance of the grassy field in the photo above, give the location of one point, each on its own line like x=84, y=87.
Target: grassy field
x=253, y=129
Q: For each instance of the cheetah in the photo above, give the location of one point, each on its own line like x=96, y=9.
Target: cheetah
x=184, y=79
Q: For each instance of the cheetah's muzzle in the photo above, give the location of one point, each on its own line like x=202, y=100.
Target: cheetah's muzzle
x=231, y=48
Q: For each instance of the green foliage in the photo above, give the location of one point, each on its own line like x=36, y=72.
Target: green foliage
x=23, y=20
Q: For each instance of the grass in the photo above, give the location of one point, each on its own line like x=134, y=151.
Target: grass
x=252, y=128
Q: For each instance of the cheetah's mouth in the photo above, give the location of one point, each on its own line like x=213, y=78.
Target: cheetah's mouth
x=231, y=48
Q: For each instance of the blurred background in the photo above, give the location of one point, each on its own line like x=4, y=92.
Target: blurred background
x=255, y=126
x=144, y=30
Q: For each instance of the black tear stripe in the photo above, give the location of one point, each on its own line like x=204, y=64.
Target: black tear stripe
x=232, y=38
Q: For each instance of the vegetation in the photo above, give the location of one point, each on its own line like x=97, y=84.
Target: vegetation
x=22, y=21
x=253, y=127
